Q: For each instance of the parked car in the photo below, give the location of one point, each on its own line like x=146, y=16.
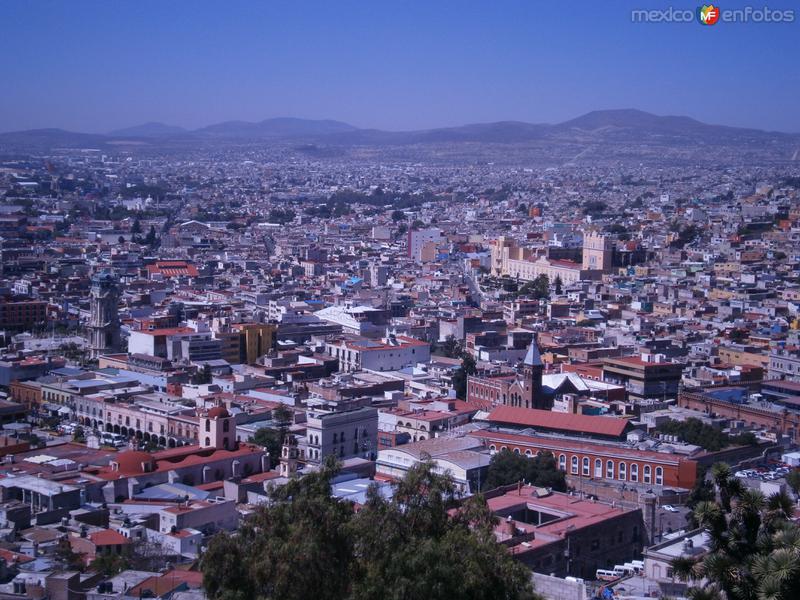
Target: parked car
x=670, y=508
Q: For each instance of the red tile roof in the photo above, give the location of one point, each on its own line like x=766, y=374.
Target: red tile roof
x=545, y=419
x=108, y=537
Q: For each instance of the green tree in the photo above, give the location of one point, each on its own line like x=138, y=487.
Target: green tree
x=110, y=563
x=67, y=557
x=793, y=479
x=272, y=440
x=452, y=347
x=538, y=288
x=409, y=547
x=306, y=544
x=282, y=414
x=507, y=467
x=468, y=367
x=297, y=547
x=151, y=239
x=558, y=285
x=398, y=215
x=136, y=228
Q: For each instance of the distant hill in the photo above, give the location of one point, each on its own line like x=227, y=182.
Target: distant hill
x=620, y=134
x=151, y=129
x=639, y=125
x=284, y=127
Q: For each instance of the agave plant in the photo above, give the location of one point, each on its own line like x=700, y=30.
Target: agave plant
x=753, y=547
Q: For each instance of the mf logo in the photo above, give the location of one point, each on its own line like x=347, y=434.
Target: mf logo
x=708, y=15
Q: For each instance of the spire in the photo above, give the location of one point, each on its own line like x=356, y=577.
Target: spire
x=533, y=358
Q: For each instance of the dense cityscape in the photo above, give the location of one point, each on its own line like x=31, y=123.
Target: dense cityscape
x=185, y=335
x=418, y=352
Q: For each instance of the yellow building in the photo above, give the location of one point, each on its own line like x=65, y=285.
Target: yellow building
x=256, y=340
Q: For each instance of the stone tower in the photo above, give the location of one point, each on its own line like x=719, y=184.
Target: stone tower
x=104, y=317
x=532, y=370
x=289, y=455
x=218, y=429
x=598, y=251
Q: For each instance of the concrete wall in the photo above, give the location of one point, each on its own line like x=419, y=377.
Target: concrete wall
x=555, y=588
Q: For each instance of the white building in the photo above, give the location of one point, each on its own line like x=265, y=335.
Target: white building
x=417, y=240
x=389, y=354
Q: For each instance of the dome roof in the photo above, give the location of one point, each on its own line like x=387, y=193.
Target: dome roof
x=134, y=461
x=218, y=412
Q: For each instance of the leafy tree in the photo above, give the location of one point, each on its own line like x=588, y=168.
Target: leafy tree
x=282, y=415
x=202, y=376
x=282, y=216
x=79, y=435
x=398, y=215
x=298, y=547
x=507, y=467
x=538, y=288
x=136, y=228
x=68, y=558
x=110, y=563
x=594, y=207
x=452, y=347
x=793, y=479
x=559, y=285
x=272, y=440
x=151, y=239
x=694, y=431
x=468, y=367
x=306, y=544
x=408, y=547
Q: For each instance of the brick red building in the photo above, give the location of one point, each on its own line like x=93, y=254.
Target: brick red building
x=600, y=461
x=784, y=422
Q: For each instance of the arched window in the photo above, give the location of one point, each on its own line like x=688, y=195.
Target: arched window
x=574, y=465
x=647, y=473
x=622, y=473
x=610, y=469
x=208, y=425
x=516, y=450
x=598, y=468
x=528, y=453
x=634, y=472
x=562, y=462
x=585, y=466
x=659, y=476
x=208, y=441
x=492, y=449
x=226, y=425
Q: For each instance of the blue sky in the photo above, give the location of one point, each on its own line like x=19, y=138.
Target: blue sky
x=390, y=64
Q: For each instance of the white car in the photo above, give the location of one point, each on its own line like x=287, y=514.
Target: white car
x=670, y=508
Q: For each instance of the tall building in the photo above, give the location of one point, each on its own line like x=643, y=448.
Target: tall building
x=422, y=243
x=256, y=340
x=598, y=252
x=104, y=316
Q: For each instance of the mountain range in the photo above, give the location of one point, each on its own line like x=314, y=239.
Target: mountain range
x=596, y=129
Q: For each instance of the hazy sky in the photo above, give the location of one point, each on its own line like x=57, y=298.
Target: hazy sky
x=391, y=64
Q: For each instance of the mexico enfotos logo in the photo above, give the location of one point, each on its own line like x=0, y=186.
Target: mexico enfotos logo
x=711, y=14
